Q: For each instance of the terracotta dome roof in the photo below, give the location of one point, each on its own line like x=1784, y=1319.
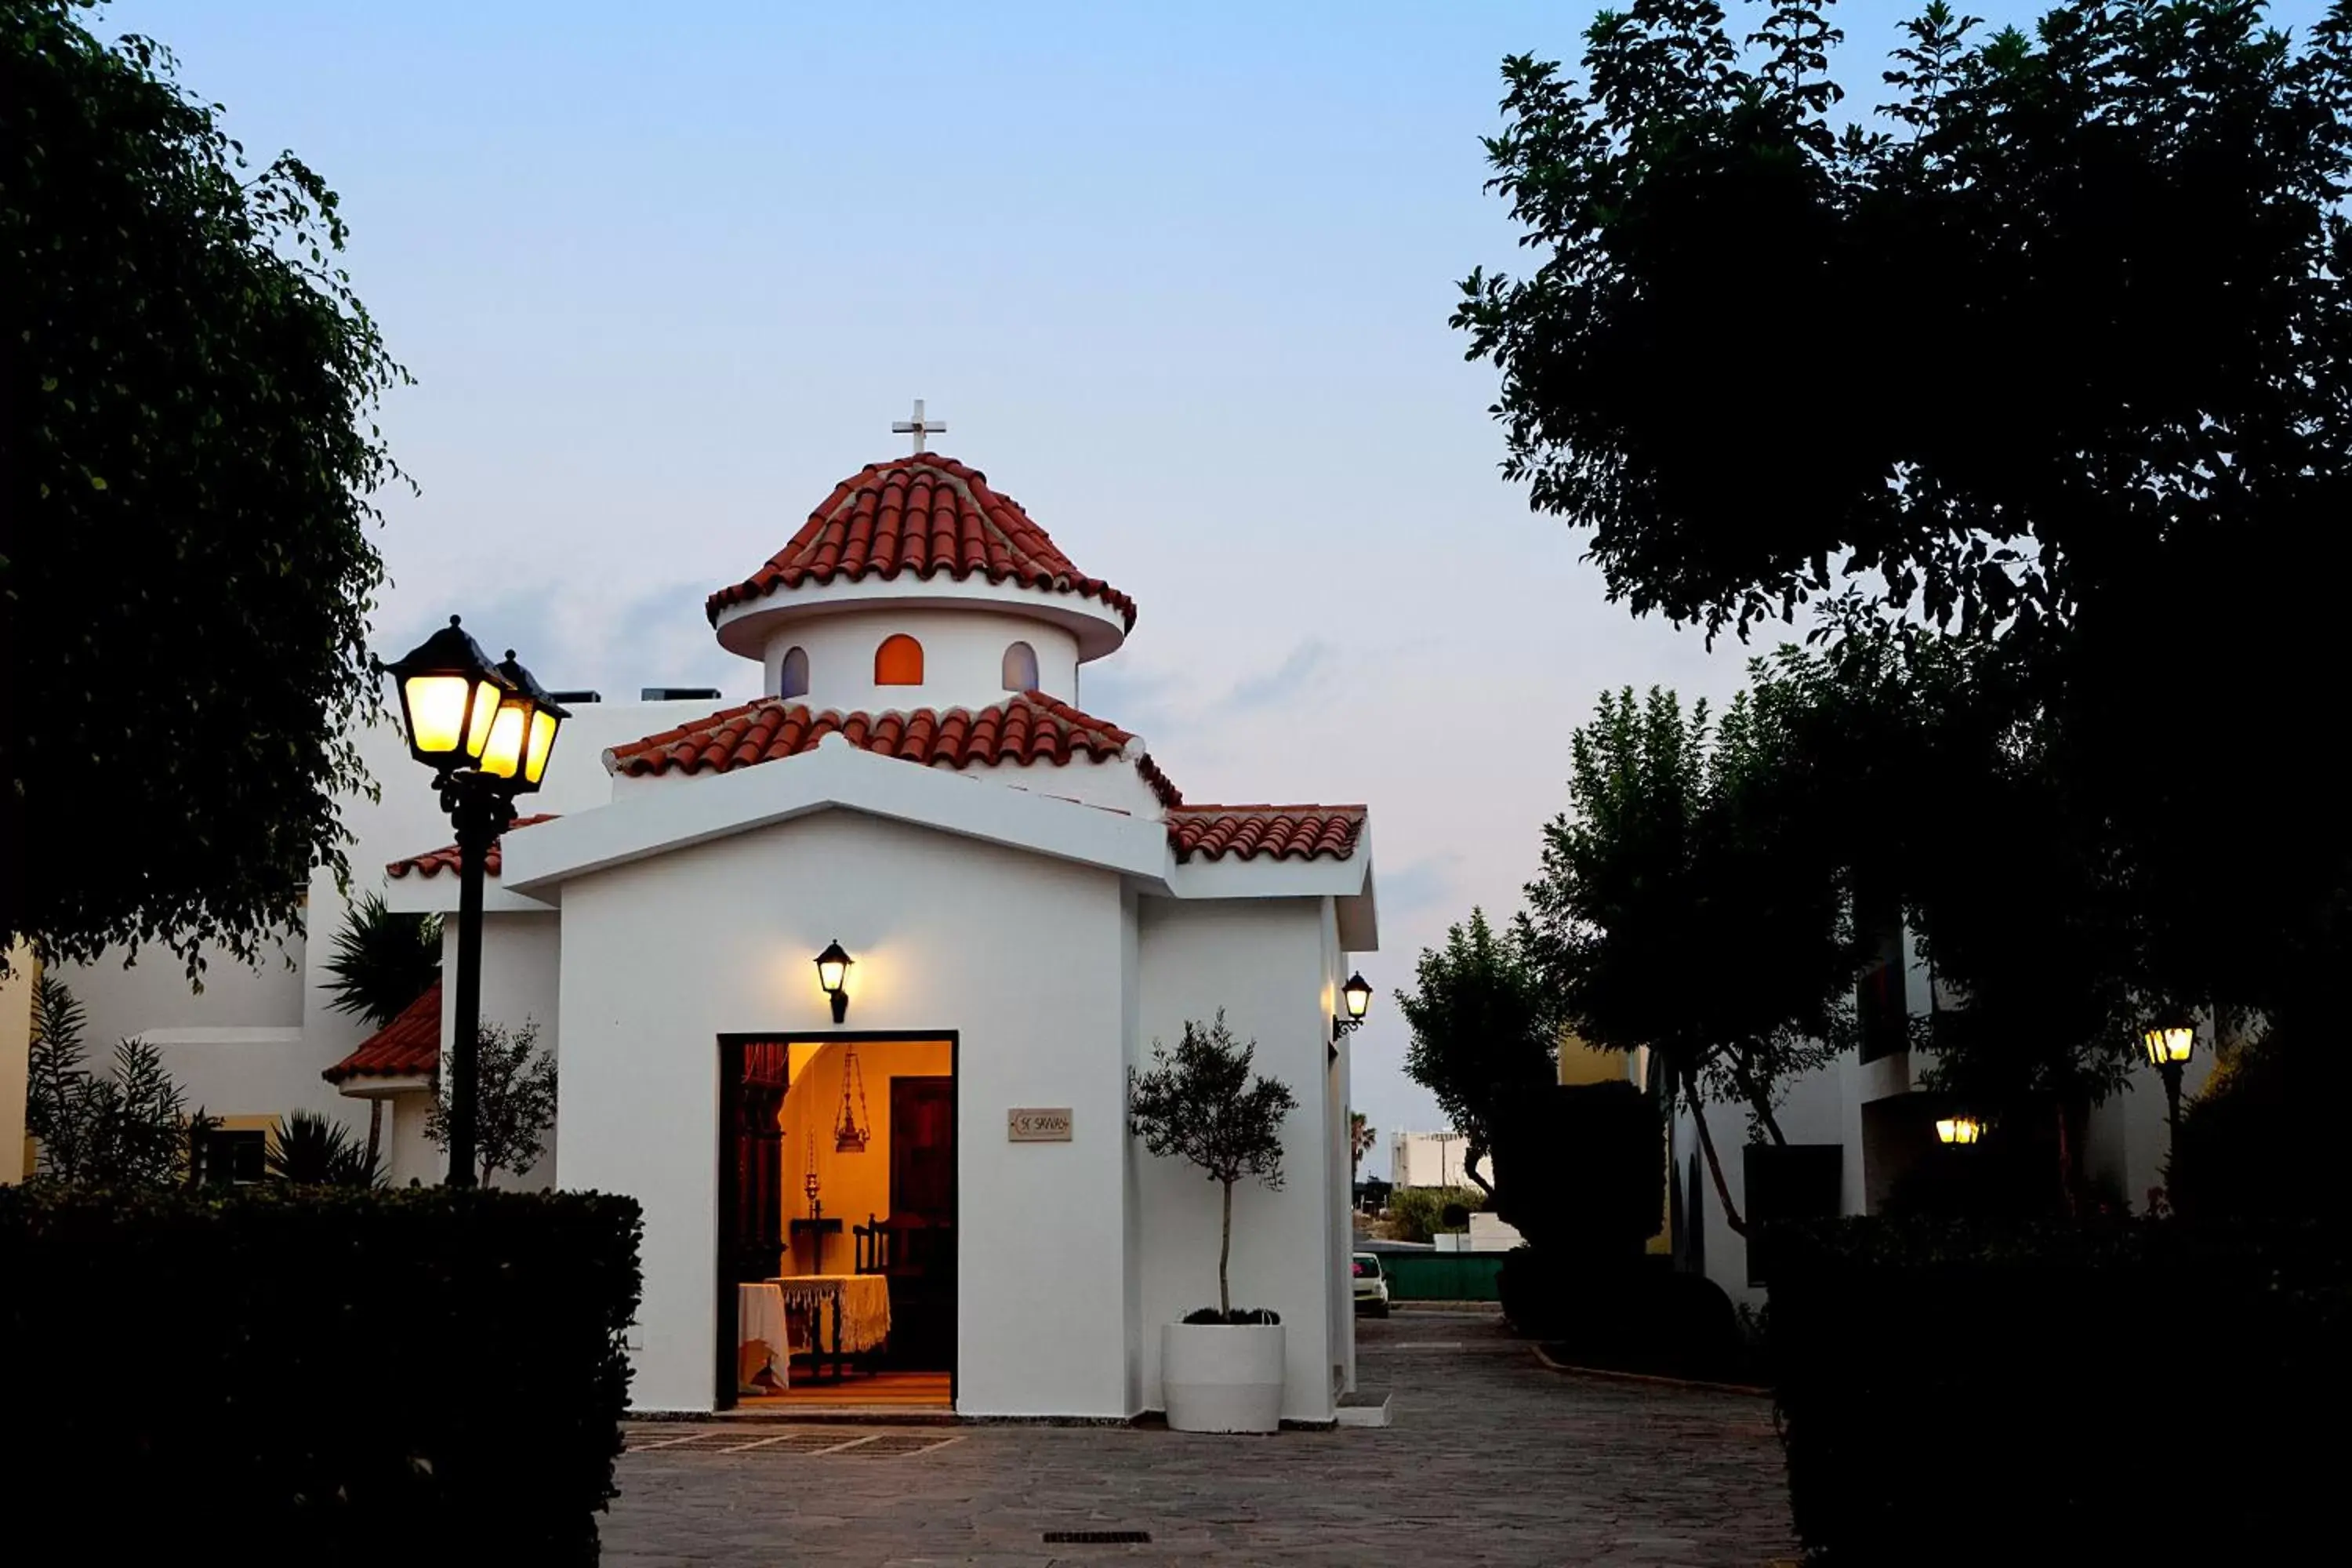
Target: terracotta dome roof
x=925, y=514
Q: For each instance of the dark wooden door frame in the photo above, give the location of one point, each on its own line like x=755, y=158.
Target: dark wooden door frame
x=730, y=1088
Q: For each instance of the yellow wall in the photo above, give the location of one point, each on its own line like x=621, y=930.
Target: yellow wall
x=853, y=1187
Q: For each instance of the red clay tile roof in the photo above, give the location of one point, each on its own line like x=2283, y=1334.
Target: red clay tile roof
x=432, y=862
x=1029, y=728
x=408, y=1046
x=1279, y=831
x=925, y=514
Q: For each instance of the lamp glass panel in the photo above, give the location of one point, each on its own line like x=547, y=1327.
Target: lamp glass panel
x=486, y=713
x=2168, y=1045
x=829, y=974
x=502, y=757
x=542, y=741
x=437, y=712
x=1359, y=997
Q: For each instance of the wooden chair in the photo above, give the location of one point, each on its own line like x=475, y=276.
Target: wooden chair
x=873, y=1246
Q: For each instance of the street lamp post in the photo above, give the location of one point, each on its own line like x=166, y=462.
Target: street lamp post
x=487, y=731
x=2169, y=1045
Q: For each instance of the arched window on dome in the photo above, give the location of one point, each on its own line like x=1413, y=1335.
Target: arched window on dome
x=793, y=679
x=1021, y=668
x=899, y=661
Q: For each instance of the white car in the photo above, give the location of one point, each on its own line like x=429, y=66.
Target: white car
x=1371, y=1284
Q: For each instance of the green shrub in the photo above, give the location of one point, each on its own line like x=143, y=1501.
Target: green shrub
x=1418, y=1214
x=1955, y=1392
x=352, y=1376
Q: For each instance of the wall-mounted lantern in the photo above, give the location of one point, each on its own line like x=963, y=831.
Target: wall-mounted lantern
x=833, y=976
x=1356, y=996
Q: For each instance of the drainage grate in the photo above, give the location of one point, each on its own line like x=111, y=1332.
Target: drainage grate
x=1098, y=1538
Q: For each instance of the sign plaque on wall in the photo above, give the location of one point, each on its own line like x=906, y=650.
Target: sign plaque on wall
x=1037, y=1124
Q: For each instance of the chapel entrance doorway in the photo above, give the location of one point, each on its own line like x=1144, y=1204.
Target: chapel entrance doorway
x=837, y=1221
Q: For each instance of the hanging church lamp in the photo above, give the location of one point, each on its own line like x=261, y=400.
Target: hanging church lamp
x=855, y=1126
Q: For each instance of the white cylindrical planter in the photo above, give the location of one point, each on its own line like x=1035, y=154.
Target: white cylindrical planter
x=1222, y=1377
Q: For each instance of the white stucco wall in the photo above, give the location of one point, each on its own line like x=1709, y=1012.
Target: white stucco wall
x=1264, y=963
x=1017, y=953
x=963, y=657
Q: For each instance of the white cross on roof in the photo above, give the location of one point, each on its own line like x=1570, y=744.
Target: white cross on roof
x=919, y=426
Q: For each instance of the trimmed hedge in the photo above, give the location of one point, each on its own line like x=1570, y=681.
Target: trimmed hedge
x=1642, y=1316
x=332, y=1375
x=2126, y=1391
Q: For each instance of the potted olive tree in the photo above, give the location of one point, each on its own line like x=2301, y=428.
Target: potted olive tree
x=1220, y=1370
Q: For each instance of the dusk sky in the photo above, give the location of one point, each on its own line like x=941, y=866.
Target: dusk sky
x=1177, y=277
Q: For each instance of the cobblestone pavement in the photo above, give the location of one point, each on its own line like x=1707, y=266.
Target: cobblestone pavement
x=1491, y=1459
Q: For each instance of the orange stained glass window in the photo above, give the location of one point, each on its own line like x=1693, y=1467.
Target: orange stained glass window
x=899, y=661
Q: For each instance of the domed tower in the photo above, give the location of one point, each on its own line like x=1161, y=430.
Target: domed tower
x=914, y=584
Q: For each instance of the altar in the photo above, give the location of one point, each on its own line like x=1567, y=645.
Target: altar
x=817, y=1315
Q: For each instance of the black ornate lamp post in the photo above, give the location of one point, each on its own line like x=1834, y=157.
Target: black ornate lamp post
x=486, y=730
x=2169, y=1044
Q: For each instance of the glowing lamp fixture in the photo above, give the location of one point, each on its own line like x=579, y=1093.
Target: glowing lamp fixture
x=523, y=734
x=449, y=697
x=1356, y=996
x=2167, y=1044
x=832, y=977
x=1958, y=1130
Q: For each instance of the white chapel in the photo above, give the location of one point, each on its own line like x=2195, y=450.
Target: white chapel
x=1026, y=903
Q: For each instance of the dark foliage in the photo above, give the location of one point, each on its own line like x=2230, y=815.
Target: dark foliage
x=186, y=381
x=1241, y=1317
x=309, y=1148
x=1948, y=1390
x=1622, y=1316
x=2266, y=1136
x=381, y=961
x=1588, y=1164
x=2048, y=353
x=481, y=1333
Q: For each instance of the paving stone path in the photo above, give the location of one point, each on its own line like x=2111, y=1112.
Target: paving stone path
x=1491, y=1459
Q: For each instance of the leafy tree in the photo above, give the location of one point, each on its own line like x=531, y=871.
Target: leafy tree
x=1418, y=1214
x=514, y=1108
x=1484, y=1031
x=311, y=1150
x=381, y=961
x=1361, y=1135
x=187, y=462
x=1200, y=1103
x=2049, y=352
x=1962, y=820
x=1692, y=844
x=124, y=1127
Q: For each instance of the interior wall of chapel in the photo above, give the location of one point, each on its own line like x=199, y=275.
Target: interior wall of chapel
x=853, y=1184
